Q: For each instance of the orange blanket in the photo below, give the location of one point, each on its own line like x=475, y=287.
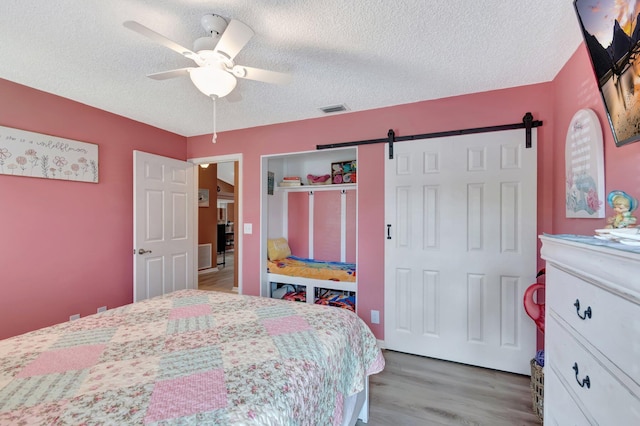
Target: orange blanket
x=317, y=269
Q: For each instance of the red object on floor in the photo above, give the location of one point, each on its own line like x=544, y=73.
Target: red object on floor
x=533, y=309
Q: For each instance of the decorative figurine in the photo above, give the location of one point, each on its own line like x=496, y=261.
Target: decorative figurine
x=623, y=204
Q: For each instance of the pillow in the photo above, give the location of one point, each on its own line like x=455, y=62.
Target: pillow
x=277, y=249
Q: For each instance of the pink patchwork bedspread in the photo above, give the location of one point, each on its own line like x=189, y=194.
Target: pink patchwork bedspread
x=190, y=357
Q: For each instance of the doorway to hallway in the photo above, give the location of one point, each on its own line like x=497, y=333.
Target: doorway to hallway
x=219, y=222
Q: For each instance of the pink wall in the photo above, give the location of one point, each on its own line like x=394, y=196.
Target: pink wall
x=65, y=247
x=326, y=225
x=575, y=88
x=484, y=109
x=298, y=226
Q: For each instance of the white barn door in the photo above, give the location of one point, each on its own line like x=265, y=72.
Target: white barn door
x=461, y=214
x=163, y=225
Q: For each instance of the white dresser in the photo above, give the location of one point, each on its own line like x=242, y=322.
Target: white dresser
x=592, y=332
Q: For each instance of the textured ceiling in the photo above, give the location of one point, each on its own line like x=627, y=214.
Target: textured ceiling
x=362, y=53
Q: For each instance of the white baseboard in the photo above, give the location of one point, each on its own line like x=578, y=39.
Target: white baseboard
x=205, y=271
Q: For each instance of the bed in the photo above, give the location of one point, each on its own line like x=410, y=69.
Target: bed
x=310, y=280
x=314, y=281
x=192, y=357
x=294, y=266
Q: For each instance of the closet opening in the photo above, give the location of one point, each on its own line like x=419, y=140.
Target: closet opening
x=309, y=227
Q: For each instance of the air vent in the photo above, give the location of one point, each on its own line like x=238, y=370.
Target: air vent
x=334, y=108
x=204, y=256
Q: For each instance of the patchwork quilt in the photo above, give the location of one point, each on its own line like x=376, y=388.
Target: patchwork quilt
x=190, y=357
x=309, y=268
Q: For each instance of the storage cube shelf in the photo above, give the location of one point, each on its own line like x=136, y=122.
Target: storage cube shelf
x=343, y=172
x=297, y=293
x=322, y=296
x=304, y=188
x=331, y=297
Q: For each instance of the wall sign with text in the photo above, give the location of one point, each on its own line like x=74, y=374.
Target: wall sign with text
x=584, y=166
x=32, y=154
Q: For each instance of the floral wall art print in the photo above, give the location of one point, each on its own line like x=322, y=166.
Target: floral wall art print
x=32, y=154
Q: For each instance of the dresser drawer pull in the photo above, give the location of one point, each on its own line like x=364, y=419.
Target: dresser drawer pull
x=585, y=382
x=587, y=313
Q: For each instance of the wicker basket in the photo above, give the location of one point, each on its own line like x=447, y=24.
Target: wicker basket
x=537, y=388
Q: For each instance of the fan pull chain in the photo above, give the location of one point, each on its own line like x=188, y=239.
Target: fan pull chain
x=215, y=135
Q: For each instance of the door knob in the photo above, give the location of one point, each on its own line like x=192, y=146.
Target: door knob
x=143, y=251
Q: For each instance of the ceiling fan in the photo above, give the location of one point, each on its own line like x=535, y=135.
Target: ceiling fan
x=216, y=73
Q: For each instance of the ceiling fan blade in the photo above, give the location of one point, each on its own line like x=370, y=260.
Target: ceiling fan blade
x=259, y=74
x=234, y=96
x=165, y=75
x=233, y=39
x=159, y=38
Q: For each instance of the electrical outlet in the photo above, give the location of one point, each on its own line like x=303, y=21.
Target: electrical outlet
x=74, y=317
x=102, y=309
x=375, y=317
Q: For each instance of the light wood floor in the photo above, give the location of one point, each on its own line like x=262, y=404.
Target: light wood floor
x=221, y=280
x=414, y=390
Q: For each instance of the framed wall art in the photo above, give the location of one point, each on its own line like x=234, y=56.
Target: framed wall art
x=270, y=182
x=203, y=198
x=30, y=154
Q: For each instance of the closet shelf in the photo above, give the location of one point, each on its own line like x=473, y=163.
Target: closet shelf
x=307, y=188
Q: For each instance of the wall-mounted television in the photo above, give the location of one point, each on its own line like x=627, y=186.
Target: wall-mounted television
x=611, y=34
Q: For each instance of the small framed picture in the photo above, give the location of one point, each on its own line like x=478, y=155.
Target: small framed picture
x=270, y=182
x=203, y=198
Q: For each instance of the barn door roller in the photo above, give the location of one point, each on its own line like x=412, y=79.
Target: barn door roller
x=527, y=123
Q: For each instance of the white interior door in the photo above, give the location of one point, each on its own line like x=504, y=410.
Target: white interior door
x=462, y=216
x=163, y=225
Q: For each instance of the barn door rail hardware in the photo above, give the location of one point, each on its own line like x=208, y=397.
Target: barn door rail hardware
x=527, y=123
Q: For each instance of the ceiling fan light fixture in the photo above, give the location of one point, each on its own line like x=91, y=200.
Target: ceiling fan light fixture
x=213, y=81
x=216, y=73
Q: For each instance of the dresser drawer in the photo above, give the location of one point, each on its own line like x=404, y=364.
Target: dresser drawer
x=559, y=408
x=613, y=319
x=605, y=398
